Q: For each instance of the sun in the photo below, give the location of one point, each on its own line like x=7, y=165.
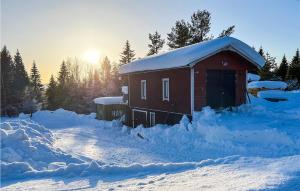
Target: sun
x=92, y=56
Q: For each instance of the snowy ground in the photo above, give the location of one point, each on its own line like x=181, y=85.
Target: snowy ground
x=255, y=147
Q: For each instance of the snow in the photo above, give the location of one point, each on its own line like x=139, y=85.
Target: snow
x=125, y=89
x=279, y=94
x=190, y=55
x=267, y=85
x=109, y=100
x=254, y=147
x=28, y=146
x=253, y=77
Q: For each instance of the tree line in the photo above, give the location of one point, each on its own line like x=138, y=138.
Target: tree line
x=77, y=84
x=20, y=92
x=285, y=71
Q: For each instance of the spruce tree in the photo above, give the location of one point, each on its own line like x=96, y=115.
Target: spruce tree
x=294, y=68
x=282, y=70
x=63, y=86
x=6, y=81
x=180, y=35
x=21, y=79
x=106, y=67
x=35, y=83
x=63, y=75
x=97, y=85
x=200, y=26
x=127, y=54
x=267, y=71
x=51, y=94
x=227, y=32
x=156, y=43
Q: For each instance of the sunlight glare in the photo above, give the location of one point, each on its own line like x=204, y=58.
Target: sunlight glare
x=92, y=56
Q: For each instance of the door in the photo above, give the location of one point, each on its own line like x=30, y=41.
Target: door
x=139, y=117
x=220, y=88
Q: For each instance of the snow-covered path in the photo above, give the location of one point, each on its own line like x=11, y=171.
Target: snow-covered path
x=92, y=143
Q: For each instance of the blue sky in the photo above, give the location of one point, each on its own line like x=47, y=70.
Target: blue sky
x=49, y=31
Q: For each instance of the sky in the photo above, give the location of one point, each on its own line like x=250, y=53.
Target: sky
x=50, y=31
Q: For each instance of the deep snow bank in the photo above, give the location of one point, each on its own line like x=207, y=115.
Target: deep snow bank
x=27, y=146
x=259, y=129
x=59, y=118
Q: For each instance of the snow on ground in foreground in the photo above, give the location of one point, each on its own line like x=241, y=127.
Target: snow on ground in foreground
x=235, y=173
x=256, y=146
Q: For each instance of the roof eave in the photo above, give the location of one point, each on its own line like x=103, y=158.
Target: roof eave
x=229, y=47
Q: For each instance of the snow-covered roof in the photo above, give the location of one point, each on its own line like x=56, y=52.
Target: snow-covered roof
x=190, y=55
x=267, y=84
x=253, y=77
x=109, y=100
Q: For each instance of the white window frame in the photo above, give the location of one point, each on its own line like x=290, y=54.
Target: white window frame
x=152, y=123
x=143, y=89
x=163, y=89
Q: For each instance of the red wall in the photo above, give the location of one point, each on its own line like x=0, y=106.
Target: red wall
x=180, y=84
x=179, y=80
x=234, y=62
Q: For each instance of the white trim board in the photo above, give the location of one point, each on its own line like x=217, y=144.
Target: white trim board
x=192, y=84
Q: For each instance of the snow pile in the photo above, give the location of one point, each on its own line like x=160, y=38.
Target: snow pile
x=109, y=100
x=209, y=136
x=253, y=77
x=59, y=118
x=27, y=146
x=267, y=85
x=190, y=55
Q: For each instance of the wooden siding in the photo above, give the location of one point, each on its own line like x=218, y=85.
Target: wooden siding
x=170, y=112
x=179, y=81
x=216, y=62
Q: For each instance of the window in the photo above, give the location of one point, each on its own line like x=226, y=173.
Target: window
x=143, y=89
x=152, y=119
x=165, y=90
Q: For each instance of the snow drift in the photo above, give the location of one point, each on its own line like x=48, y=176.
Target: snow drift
x=27, y=146
x=208, y=136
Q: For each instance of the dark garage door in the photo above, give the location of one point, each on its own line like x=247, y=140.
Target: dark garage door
x=139, y=117
x=220, y=88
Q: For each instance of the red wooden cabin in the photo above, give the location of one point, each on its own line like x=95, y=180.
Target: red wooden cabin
x=164, y=87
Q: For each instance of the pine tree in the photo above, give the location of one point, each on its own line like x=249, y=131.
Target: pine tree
x=156, y=43
x=282, y=70
x=294, y=68
x=35, y=83
x=21, y=79
x=200, y=26
x=6, y=81
x=127, y=55
x=227, y=32
x=51, y=94
x=180, y=35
